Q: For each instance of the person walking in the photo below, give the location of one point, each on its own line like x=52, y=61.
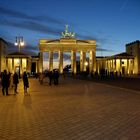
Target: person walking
x=15, y=82
x=25, y=82
x=56, y=77
x=5, y=82
x=50, y=75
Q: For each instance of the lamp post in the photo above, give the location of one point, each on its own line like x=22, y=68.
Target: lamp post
x=19, y=42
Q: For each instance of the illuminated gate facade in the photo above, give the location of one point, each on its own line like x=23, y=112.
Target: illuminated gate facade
x=68, y=43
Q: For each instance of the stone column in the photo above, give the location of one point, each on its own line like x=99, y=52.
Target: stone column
x=82, y=61
x=36, y=68
x=73, y=62
x=120, y=66
x=91, y=57
x=21, y=70
x=7, y=68
x=50, y=61
x=41, y=62
x=128, y=71
x=112, y=64
x=109, y=65
x=94, y=61
x=29, y=64
x=60, y=61
x=133, y=66
x=13, y=70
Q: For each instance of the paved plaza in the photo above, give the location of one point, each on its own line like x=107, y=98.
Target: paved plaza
x=73, y=110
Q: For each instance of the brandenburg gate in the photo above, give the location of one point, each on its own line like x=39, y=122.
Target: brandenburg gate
x=68, y=43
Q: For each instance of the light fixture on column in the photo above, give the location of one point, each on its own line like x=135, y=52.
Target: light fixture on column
x=19, y=42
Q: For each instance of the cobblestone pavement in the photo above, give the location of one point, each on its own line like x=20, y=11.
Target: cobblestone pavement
x=73, y=110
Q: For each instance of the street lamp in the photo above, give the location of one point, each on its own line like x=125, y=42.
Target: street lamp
x=19, y=42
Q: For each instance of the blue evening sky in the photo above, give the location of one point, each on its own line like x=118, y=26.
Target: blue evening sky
x=112, y=23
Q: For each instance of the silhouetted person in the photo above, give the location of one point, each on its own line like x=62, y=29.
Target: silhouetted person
x=9, y=79
x=50, y=75
x=5, y=82
x=36, y=75
x=15, y=82
x=56, y=77
x=25, y=82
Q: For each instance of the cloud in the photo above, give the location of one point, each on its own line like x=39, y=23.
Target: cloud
x=31, y=25
x=36, y=23
x=20, y=15
x=43, y=24
x=103, y=50
x=82, y=36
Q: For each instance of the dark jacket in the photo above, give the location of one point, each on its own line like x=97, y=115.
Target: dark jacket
x=15, y=79
x=25, y=80
x=5, y=80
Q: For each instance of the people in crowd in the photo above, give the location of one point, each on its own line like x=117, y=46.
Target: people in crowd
x=50, y=75
x=5, y=82
x=15, y=82
x=25, y=82
x=56, y=76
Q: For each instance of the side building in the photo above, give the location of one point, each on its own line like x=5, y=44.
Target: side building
x=17, y=61
x=119, y=64
x=133, y=48
x=126, y=63
x=3, y=48
x=20, y=62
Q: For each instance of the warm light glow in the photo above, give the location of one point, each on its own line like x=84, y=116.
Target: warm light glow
x=16, y=43
x=24, y=63
x=86, y=63
x=22, y=43
x=19, y=42
x=16, y=62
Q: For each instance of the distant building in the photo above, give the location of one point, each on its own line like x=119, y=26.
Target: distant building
x=134, y=49
x=18, y=62
x=126, y=63
x=119, y=64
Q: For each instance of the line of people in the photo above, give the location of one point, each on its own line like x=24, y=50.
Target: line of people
x=8, y=80
x=52, y=75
